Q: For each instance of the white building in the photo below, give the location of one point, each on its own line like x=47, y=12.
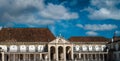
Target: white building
x=38, y=44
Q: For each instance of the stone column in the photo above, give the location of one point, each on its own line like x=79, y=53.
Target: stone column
x=34, y=57
x=103, y=58
x=72, y=52
x=29, y=57
x=8, y=57
x=56, y=53
x=84, y=57
x=88, y=57
x=19, y=57
x=79, y=55
x=49, y=52
x=2, y=56
x=91, y=57
x=40, y=56
x=13, y=57
x=24, y=57
x=64, y=53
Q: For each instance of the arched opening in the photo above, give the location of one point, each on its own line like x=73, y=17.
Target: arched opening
x=52, y=54
x=60, y=53
x=21, y=56
x=68, y=53
x=0, y=56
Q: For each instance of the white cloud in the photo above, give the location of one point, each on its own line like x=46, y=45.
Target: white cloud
x=106, y=9
x=57, y=12
x=98, y=27
x=79, y=25
x=91, y=33
x=33, y=12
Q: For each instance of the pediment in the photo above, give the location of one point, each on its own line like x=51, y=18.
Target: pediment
x=60, y=40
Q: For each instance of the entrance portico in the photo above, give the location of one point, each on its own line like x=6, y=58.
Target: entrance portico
x=60, y=50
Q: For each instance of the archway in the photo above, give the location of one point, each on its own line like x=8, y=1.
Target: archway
x=68, y=53
x=52, y=53
x=60, y=53
x=0, y=56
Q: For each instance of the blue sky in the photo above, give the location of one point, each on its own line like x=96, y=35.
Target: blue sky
x=66, y=17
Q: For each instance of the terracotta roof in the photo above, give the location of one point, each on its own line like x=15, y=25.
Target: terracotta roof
x=88, y=39
x=26, y=34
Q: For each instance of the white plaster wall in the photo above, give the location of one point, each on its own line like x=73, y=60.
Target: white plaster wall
x=4, y=47
x=13, y=48
x=23, y=48
x=40, y=48
x=31, y=48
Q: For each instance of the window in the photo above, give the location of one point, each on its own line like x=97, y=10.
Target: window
x=77, y=47
x=84, y=48
x=119, y=55
x=97, y=48
x=93, y=48
x=81, y=49
x=40, y=48
x=90, y=48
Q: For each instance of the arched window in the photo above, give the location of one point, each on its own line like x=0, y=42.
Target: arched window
x=31, y=48
x=13, y=48
x=84, y=48
x=81, y=49
x=40, y=48
x=23, y=48
x=90, y=48
x=87, y=48
x=77, y=47
x=97, y=48
x=103, y=47
x=4, y=47
x=93, y=48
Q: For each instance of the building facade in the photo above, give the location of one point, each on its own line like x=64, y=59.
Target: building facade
x=114, y=48
x=39, y=44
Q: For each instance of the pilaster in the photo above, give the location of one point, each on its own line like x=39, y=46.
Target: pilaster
x=2, y=55
x=64, y=53
x=56, y=53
